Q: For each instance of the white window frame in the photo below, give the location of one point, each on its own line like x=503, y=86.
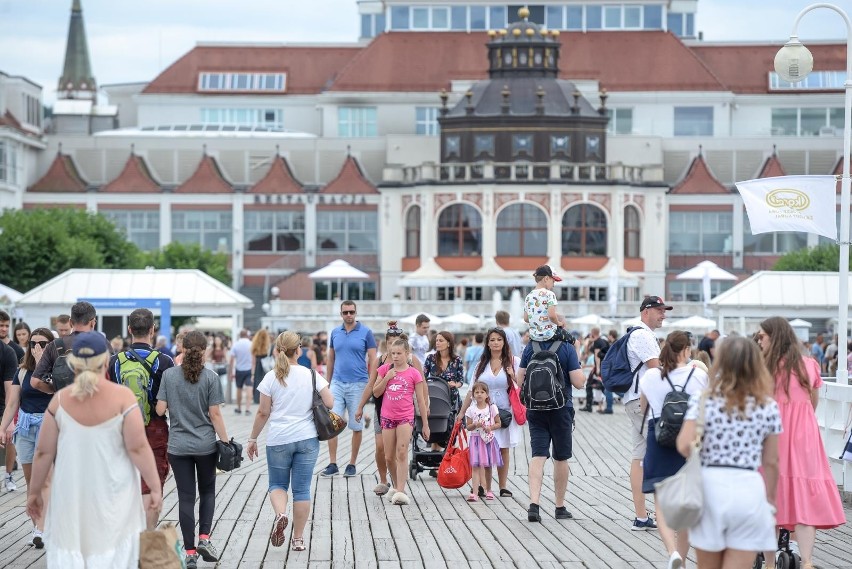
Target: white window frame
x=428, y=125
x=242, y=117
x=124, y=220
x=838, y=130
x=815, y=81
x=612, y=127
x=228, y=81
x=357, y=122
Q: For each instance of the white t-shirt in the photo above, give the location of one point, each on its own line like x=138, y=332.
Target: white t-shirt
x=655, y=388
x=419, y=346
x=641, y=347
x=241, y=351
x=291, y=419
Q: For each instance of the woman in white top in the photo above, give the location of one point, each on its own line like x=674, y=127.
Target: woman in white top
x=93, y=436
x=292, y=447
x=497, y=368
x=676, y=372
x=741, y=427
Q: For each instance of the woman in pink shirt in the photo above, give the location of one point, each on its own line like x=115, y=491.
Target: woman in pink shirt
x=396, y=384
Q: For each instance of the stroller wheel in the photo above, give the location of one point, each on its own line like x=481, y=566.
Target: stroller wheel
x=413, y=472
x=784, y=561
x=758, y=562
x=795, y=561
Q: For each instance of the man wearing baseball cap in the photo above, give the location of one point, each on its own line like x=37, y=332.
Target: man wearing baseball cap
x=642, y=348
x=540, y=306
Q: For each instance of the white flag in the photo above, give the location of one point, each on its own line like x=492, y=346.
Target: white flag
x=791, y=203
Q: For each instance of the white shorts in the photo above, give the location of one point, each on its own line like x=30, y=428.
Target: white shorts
x=736, y=514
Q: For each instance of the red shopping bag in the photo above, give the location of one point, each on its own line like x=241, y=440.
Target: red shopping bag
x=455, y=471
x=518, y=408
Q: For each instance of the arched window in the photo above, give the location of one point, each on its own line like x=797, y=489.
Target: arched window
x=412, y=232
x=632, y=233
x=522, y=231
x=584, y=231
x=459, y=231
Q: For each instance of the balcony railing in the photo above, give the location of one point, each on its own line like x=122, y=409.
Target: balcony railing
x=565, y=172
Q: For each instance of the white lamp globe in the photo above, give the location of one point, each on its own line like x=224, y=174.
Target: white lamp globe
x=274, y=291
x=265, y=307
x=794, y=61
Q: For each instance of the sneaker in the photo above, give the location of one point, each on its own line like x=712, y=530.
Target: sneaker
x=192, y=561
x=643, y=526
x=37, y=539
x=9, y=483
x=238, y=411
x=350, y=470
x=586, y=409
x=433, y=473
x=330, y=470
x=368, y=420
x=562, y=513
x=276, y=536
x=605, y=411
x=248, y=412
x=533, y=514
x=675, y=561
x=206, y=550
x=400, y=499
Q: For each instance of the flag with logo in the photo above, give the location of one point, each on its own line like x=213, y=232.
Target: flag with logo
x=791, y=203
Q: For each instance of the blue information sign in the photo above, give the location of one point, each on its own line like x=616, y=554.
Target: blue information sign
x=163, y=305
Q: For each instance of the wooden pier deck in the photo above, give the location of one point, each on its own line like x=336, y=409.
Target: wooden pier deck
x=351, y=527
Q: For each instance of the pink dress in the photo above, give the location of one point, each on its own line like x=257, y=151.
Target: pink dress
x=807, y=492
x=484, y=450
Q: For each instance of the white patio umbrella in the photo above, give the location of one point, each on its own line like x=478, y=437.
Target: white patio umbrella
x=706, y=271
x=496, y=302
x=612, y=289
x=592, y=320
x=631, y=322
x=691, y=323
x=516, y=309
x=412, y=318
x=462, y=318
x=338, y=270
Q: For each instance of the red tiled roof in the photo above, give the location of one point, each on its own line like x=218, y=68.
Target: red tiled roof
x=207, y=179
x=428, y=61
x=309, y=69
x=135, y=178
x=771, y=168
x=699, y=180
x=350, y=180
x=745, y=68
x=62, y=176
x=278, y=180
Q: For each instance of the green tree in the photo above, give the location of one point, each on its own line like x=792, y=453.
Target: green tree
x=822, y=258
x=190, y=256
x=38, y=244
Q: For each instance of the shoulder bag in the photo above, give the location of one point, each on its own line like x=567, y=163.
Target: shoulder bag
x=267, y=362
x=329, y=424
x=680, y=497
x=454, y=471
x=519, y=410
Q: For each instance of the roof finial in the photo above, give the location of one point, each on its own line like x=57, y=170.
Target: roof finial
x=701, y=151
x=59, y=149
x=277, y=150
x=524, y=12
x=774, y=149
x=348, y=150
x=204, y=149
x=133, y=149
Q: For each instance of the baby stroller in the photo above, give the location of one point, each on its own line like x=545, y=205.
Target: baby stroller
x=442, y=416
x=785, y=558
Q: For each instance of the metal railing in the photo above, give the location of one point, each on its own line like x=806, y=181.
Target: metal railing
x=556, y=171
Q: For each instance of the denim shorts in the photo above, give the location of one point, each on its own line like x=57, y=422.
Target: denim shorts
x=551, y=429
x=25, y=444
x=293, y=462
x=348, y=396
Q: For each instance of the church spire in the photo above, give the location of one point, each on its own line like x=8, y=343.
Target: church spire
x=77, y=81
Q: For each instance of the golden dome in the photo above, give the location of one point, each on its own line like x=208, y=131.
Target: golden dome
x=524, y=13
x=516, y=32
x=502, y=32
x=491, y=33
x=555, y=33
x=530, y=32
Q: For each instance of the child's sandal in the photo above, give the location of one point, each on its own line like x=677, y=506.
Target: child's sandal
x=489, y=495
x=297, y=544
x=472, y=498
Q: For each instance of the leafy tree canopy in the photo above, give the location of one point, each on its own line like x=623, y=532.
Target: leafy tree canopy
x=822, y=258
x=38, y=244
x=190, y=256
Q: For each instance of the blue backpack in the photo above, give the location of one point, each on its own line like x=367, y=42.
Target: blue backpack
x=616, y=373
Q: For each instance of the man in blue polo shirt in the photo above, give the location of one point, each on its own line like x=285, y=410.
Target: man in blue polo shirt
x=351, y=360
x=552, y=429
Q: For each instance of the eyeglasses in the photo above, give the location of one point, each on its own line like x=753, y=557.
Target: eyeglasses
x=41, y=343
x=347, y=312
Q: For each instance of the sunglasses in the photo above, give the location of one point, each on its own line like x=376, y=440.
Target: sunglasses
x=41, y=344
x=347, y=312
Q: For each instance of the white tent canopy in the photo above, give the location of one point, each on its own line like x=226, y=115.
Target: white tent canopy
x=602, y=277
x=429, y=274
x=799, y=323
x=691, y=323
x=707, y=269
x=462, y=318
x=9, y=295
x=191, y=292
x=338, y=270
x=592, y=320
x=411, y=319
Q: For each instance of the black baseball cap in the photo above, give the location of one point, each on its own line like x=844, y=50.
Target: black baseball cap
x=546, y=271
x=654, y=302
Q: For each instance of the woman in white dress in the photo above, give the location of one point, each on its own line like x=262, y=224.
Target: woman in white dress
x=497, y=368
x=94, y=436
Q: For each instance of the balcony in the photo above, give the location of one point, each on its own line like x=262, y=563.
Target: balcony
x=522, y=172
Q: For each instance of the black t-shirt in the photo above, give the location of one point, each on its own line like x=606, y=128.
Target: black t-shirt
x=19, y=351
x=32, y=400
x=8, y=369
x=161, y=364
x=706, y=344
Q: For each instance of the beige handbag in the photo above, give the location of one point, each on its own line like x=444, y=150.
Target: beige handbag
x=680, y=498
x=161, y=549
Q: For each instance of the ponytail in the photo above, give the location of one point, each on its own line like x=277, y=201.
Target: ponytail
x=287, y=343
x=88, y=372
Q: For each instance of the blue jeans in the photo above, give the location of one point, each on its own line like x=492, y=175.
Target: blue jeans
x=608, y=397
x=293, y=462
x=347, y=396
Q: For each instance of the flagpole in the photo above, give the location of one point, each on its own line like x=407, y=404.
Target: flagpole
x=799, y=63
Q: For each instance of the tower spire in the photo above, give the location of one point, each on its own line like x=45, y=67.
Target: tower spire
x=77, y=80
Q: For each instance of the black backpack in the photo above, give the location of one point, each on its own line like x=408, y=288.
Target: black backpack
x=616, y=373
x=544, y=384
x=62, y=375
x=671, y=416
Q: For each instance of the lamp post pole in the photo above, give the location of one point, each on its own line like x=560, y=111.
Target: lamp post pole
x=843, y=241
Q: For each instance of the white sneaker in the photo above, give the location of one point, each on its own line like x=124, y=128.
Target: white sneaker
x=9, y=484
x=675, y=561
x=37, y=539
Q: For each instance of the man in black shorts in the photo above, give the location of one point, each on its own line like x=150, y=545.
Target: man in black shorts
x=552, y=429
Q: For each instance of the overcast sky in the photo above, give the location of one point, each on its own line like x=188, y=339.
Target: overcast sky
x=133, y=40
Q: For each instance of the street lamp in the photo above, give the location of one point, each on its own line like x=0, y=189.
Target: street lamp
x=793, y=63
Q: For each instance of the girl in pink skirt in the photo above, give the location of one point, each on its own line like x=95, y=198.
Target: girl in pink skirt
x=483, y=419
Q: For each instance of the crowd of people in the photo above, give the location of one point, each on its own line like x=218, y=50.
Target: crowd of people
x=142, y=411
